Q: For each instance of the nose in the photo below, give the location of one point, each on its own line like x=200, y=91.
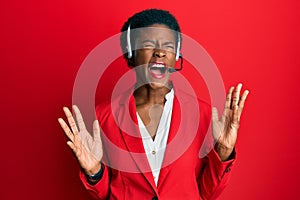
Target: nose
x=159, y=53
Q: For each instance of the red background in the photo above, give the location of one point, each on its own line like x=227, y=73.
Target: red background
x=43, y=44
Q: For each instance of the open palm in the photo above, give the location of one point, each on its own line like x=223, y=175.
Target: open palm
x=86, y=147
x=225, y=129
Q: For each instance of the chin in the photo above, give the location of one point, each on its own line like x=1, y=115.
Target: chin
x=158, y=85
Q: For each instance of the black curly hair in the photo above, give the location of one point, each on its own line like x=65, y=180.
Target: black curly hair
x=147, y=18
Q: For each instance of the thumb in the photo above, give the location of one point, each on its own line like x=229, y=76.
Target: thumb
x=96, y=131
x=214, y=114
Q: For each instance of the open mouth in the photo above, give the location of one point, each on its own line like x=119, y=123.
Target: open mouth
x=158, y=70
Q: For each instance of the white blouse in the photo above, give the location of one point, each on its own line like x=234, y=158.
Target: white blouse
x=155, y=149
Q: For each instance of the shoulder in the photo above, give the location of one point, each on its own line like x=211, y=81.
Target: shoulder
x=109, y=108
x=186, y=99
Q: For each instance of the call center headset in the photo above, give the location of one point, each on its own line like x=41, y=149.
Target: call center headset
x=178, y=54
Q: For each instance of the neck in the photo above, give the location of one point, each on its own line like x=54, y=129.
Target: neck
x=149, y=95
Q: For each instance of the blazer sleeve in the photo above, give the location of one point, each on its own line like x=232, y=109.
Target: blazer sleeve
x=214, y=175
x=101, y=189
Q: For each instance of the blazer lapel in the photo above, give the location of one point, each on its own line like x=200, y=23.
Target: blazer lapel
x=175, y=120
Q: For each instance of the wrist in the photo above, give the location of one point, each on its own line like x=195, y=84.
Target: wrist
x=95, y=177
x=223, y=151
x=93, y=170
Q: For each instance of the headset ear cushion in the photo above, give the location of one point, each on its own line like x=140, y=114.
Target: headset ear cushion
x=130, y=62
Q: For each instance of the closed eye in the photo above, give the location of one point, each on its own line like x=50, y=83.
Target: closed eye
x=148, y=44
x=169, y=46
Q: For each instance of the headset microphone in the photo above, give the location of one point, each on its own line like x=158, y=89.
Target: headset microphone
x=171, y=70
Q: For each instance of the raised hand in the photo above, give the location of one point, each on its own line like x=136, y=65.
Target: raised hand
x=87, y=148
x=225, y=129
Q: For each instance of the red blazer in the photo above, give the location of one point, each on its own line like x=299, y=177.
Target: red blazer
x=127, y=174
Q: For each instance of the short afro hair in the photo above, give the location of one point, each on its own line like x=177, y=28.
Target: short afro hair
x=147, y=18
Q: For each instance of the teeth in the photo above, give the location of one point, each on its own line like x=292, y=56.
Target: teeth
x=158, y=65
x=158, y=68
